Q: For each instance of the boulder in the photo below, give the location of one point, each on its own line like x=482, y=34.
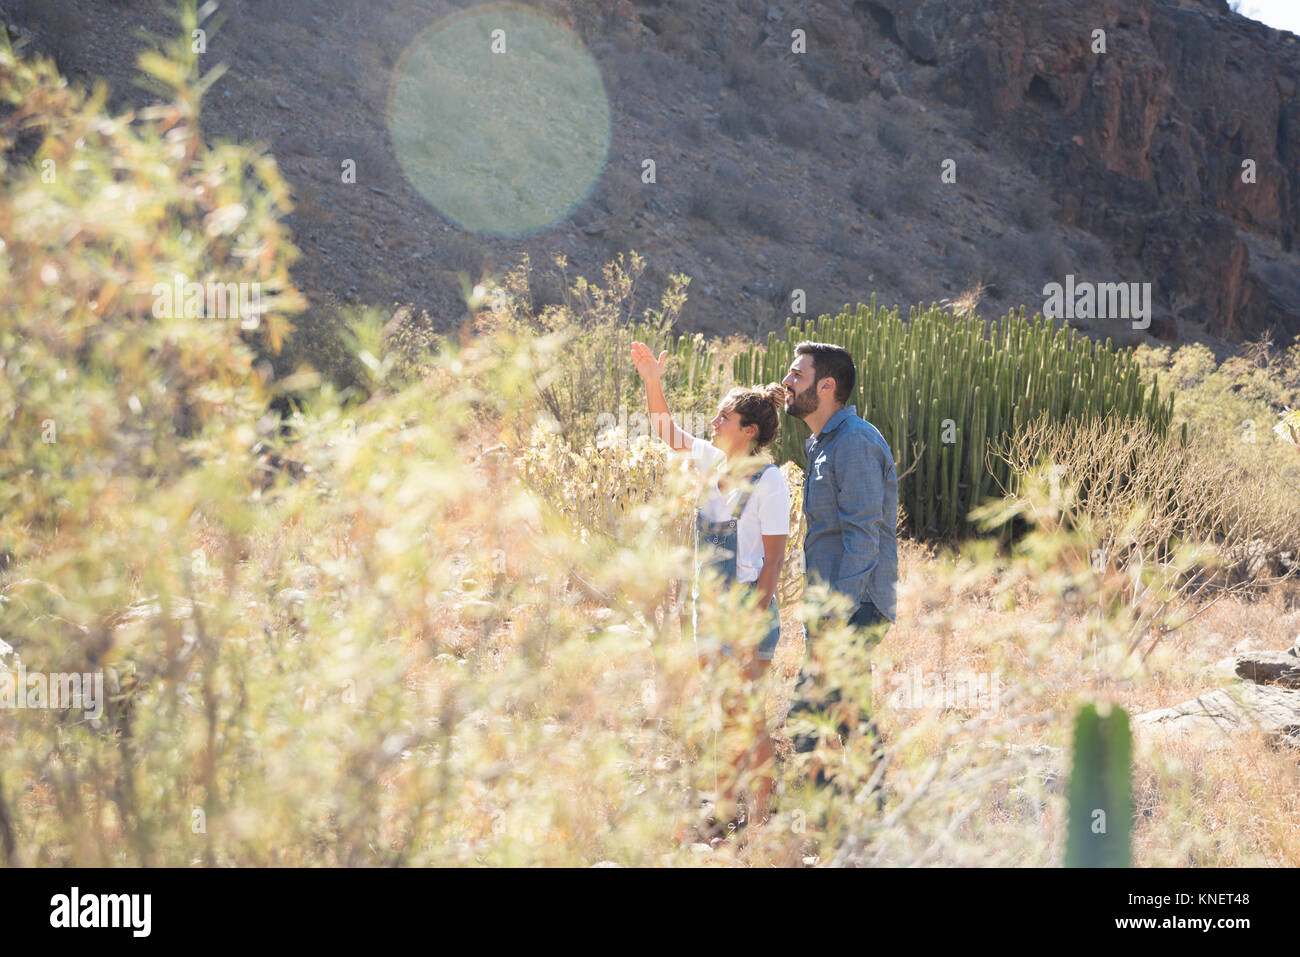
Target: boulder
x=1220, y=714
x=1270, y=668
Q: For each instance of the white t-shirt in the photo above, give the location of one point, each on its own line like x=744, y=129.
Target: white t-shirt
x=766, y=513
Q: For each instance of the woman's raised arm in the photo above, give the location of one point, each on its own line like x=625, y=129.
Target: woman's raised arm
x=651, y=371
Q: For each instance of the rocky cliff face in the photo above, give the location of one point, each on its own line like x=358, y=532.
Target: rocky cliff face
x=817, y=170
x=1145, y=143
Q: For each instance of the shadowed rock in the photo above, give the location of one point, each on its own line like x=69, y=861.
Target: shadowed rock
x=1270, y=668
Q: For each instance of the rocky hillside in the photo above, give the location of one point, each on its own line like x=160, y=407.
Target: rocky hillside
x=818, y=170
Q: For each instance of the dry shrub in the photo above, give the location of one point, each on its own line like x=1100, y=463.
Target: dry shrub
x=597, y=487
x=1145, y=497
x=590, y=377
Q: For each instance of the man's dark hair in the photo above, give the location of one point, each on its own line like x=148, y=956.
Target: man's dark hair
x=834, y=361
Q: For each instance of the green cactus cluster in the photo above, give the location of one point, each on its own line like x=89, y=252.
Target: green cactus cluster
x=939, y=387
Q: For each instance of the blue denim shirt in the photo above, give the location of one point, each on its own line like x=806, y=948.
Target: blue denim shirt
x=850, y=505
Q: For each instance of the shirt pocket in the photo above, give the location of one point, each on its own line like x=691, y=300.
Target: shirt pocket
x=819, y=492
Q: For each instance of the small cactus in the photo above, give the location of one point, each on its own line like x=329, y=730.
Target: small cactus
x=1101, y=797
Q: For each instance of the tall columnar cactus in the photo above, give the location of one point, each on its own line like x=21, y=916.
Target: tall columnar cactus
x=1101, y=798
x=941, y=387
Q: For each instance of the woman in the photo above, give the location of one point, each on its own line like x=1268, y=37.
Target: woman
x=741, y=529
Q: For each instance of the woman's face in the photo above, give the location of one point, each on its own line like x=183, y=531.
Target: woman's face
x=726, y=432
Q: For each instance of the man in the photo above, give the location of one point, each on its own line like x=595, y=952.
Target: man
x=850, y=507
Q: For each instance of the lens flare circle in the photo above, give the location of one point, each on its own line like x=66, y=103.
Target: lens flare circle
x=499, y=119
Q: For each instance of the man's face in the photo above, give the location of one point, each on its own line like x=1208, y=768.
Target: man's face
x=801, y=399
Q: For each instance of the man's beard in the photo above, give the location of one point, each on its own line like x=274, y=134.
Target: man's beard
x=804, y=404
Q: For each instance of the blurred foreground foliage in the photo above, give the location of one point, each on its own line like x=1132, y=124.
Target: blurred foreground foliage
x=402, y=625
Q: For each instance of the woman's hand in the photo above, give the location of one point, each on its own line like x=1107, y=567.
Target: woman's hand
x=661, y=420
x=647, y=366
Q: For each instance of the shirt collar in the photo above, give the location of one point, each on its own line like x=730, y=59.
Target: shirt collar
x=836, y=420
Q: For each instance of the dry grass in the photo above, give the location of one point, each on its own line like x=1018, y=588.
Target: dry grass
x=1230, y=806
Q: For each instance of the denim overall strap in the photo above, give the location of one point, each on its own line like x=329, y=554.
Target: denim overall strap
x=722, y=538
x=723, y=535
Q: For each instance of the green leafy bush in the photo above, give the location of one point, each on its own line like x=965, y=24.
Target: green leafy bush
x=125, y=404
